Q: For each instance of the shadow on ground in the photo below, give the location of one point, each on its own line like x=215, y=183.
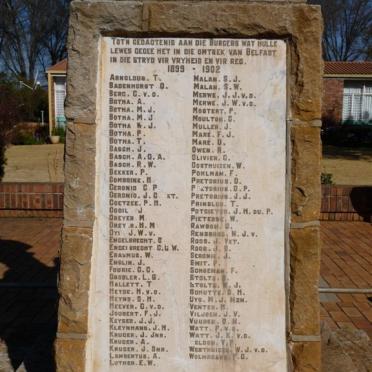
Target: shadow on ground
x=347, y=153
x=28, y=309
x=361, y=199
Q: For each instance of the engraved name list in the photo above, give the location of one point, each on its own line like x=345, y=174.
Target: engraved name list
x=189, y=250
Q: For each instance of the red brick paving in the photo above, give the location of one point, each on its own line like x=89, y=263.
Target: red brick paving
x=347, y=263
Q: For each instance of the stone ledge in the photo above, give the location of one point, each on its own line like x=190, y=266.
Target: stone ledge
x=72, y=336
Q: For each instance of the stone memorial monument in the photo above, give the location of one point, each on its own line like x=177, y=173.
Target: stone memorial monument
x=191, y=233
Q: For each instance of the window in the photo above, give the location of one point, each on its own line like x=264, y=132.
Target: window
x=60, y=95
x=357, y=102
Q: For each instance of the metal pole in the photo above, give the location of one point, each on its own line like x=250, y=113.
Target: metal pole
x=346, y=290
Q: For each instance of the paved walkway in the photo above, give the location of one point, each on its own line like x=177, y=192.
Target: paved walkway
x=34, y=163
x=347, y=263
x=28, y=296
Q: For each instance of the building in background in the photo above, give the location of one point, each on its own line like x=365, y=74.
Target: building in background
x=347, y=93
x=56, y=94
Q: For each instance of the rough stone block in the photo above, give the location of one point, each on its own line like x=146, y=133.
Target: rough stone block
x=74, y=280
x=70, y=355
x=79, y=175
x=306, y=356
x=306, y=67
x=299, y=24
x=306, y=190
x=88, y=21
x=304, y=274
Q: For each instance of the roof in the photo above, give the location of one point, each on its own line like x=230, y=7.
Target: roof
x=58, y=67
x=348, y=68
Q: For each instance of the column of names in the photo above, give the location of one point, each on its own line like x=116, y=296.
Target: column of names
x=191, y=130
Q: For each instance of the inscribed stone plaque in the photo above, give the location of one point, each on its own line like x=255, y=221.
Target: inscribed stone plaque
x=189, y=251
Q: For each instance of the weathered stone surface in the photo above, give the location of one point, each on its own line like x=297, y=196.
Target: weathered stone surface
x=87, y=22
x=70, y=355
x=301, y=25
x=306, y=82
x=306, y=356
x=79, y=175
x=306, y=194
x=74, y=280
x=305, y=266
x=346, y=350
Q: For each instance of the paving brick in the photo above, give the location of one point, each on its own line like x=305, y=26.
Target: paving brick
x=323, y=312
x=363, y=324
x=346, y=325
x=330, y=323
x=368, y=314
x=339, y=316
x=331, y=306
x=347, y=263
x=352, y=312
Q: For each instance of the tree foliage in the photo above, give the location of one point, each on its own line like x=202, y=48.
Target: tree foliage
x=32, y=35
x=9, y=116
x=347, y=29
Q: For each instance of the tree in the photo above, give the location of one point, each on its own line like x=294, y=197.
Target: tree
x=347, y=29
x=9, y=117
x=54, y=41
x=368, y=41
x=32, y=34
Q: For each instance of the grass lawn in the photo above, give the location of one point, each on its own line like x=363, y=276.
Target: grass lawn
x=348, y=166
x=34, y=163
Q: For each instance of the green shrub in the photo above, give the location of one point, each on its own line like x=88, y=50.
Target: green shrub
x=326, y=179
x=9, y=117
x=32, y=103
x=24, y=135
x=28, y=139
x=61, y=132
x=348, y=135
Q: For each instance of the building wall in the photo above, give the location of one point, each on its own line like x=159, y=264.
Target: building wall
x=51, y=101
x=51, y=97
x=332, y=101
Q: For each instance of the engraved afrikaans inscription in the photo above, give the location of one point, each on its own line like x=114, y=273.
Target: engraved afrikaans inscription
x=189, y=249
